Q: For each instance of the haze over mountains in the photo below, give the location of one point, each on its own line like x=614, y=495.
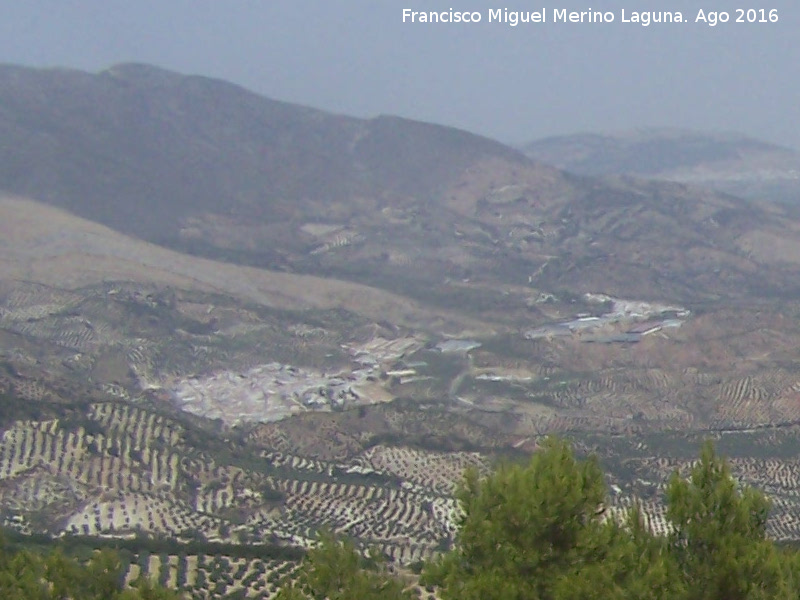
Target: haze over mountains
x=729, y=163
x=206, y=166
x=166, y=147
x=250, y=318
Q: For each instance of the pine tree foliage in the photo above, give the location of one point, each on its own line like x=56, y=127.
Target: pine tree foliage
x=335, y=570
x=720, y=538
x=533, y=532
x=539, y=531
x=26, y=575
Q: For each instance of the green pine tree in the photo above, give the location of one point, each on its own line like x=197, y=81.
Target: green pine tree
x=537, y=532
x=26, y=575
x=720, y=536
x=335, y=570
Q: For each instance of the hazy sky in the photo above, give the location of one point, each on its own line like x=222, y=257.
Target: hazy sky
x=512, y=83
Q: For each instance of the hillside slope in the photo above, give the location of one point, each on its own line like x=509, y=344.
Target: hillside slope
x=50, y=247
x=208, y=168
x=143, y=149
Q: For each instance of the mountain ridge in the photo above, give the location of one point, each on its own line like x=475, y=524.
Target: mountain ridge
x=727, y=162
x=137, y=115
x=209, y=168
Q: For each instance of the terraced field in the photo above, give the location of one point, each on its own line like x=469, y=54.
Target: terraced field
x=131, y=470
x=128, y=470
x=137, y=413
x=213, y=576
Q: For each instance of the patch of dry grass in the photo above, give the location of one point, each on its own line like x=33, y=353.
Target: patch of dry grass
x=42, y=244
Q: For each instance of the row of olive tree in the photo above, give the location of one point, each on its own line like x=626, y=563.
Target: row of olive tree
x=539, y=532
x=28, y=575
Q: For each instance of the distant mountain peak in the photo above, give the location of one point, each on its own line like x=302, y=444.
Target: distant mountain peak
x=728, y=162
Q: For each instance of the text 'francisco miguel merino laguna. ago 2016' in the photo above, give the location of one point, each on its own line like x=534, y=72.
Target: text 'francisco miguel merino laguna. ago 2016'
x=563, y=15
